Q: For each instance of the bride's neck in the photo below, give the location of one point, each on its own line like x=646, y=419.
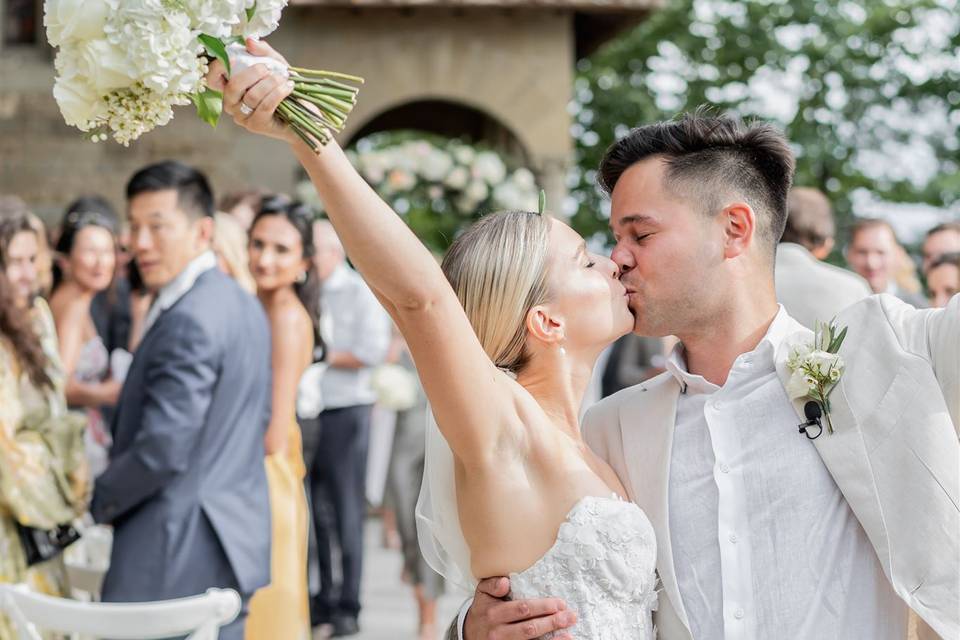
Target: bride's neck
x=558, y=382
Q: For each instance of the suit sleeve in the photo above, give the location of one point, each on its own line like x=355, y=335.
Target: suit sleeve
x=934, y=335
x=179, y=381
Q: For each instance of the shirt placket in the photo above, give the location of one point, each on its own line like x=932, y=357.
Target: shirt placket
x=732, y=520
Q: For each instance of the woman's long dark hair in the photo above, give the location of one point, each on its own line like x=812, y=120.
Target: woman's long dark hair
x=301, y=217
x=85, y=212
x=15, y=322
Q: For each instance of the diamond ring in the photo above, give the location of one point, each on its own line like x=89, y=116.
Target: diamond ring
x=244, y=109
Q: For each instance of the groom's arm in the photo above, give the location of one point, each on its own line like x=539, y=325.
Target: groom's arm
x=178, y=386
x=934, y=335
x=491, y=617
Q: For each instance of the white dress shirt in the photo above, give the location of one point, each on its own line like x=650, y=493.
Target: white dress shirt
x=171, y=292
x=764, y=544
x=352, y=320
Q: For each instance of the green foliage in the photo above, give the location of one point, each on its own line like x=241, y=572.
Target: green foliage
x=868, y=91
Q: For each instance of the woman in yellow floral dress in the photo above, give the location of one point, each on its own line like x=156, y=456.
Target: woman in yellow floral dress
x=43, y=478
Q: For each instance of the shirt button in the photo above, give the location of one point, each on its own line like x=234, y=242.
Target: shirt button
x=724, y=468
x=732, y=538
x=718, y=405
x=738, y=614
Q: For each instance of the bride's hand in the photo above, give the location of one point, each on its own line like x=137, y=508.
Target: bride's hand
x=257, y=88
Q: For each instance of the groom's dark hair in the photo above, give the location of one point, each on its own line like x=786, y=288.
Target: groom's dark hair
x=709, y=156
x=194, y=194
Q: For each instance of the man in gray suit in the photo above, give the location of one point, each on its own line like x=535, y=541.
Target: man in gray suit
x=807, y=287
x=186, y=489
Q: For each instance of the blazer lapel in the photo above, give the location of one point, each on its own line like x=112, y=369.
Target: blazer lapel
x=647, y=422
x=843, y=452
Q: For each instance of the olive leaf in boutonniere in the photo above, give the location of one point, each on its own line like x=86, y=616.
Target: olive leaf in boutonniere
x=816, y=366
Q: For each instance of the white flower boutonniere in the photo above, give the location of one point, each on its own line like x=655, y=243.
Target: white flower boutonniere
x=816, y=367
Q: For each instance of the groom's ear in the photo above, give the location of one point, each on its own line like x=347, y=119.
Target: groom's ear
x=544, y=327
x=739, y=223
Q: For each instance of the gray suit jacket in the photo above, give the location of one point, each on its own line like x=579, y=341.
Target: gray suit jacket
x=812, y=290
x=186, y=488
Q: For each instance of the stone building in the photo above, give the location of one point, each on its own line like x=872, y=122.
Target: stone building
x=496, y=71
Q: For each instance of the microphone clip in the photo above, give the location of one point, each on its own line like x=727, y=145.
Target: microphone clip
x=813, y=412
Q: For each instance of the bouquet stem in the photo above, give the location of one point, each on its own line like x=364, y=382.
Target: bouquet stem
x=318, y=104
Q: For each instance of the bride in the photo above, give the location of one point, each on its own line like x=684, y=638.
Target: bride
x=505, y=338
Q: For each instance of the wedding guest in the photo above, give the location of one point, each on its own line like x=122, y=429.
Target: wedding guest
x=242, y=205
x=43, y=475
x=186, y=490
x=84, y=267
x=632, y=359
x=943, y=238
x=403, y=486
x=230, y=246
x=357, y=337
x=943, y=279
x=809, y=288
x=110, y=308
x=874, y=253
x=281, y=250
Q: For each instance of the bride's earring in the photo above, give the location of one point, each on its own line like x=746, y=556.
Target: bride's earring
x=302, y=278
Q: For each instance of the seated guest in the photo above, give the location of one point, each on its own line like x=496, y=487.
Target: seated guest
x=943, y=279
x=807, y=287
x=943, y=238
x=875, y=254
x=86, y=254
x=43, y=475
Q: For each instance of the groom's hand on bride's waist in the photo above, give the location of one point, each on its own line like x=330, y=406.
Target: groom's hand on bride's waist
x=493, y=617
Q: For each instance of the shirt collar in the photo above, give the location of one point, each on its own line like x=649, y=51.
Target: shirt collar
x=763, y=355
x=171, y=292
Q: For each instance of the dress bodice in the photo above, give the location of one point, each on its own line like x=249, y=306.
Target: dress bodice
x=602, y=565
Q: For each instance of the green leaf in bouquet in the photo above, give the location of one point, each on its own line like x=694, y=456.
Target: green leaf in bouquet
x=209, y=105
x=251, y=11
x=215, y=48
x=543, y=202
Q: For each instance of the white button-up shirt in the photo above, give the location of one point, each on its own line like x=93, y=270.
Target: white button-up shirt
x=352, y=320
x=764, y=544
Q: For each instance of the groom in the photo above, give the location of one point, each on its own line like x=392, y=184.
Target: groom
x=761, y=531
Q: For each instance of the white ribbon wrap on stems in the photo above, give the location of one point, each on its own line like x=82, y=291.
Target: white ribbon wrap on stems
x=241, y=59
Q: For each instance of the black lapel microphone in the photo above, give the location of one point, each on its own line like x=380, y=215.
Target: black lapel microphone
x=813, y=412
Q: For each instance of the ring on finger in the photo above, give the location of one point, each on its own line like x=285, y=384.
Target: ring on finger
x=245, y=109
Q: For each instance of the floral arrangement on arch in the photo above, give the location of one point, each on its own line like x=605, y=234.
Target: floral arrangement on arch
x=438, y=186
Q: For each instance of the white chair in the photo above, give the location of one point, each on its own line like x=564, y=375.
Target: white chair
x=200, y=616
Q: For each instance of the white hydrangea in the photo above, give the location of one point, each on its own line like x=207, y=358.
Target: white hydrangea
x=265, y=19
x=161, y=44
x=218, y=18
x=79, y=102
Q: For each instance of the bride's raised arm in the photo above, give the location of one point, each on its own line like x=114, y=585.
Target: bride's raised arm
x=471, y=398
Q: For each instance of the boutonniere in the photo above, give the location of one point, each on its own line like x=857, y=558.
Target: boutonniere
x=816, y=366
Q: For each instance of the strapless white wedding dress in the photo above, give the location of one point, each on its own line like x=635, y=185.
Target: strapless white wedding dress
x=602, y=565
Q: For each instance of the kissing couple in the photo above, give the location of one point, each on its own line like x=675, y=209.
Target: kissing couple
x=692, y=500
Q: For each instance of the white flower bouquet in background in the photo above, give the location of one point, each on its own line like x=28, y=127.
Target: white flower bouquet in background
x=122, y=65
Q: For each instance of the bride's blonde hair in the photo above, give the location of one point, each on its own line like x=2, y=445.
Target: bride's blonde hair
x=498, y=269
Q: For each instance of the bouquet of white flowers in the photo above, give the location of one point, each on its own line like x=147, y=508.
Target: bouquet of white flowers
x=122, y=65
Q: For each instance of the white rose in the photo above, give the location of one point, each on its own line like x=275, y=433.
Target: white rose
x=464, y=154
x=457, y=179
x=435, y=165
x=79, y=102
x=105, y=66
x=489, y=167
x=524, y=179
x=477, y=191
x=75, y=19
x=798, y=386
x=265, y=19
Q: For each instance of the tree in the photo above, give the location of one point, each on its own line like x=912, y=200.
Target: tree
x=868, y=91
